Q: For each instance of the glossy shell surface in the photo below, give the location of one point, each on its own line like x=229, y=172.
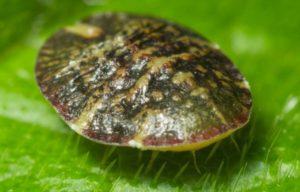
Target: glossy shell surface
x=128, y=80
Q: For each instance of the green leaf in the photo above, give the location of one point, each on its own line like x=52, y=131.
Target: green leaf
x=40, y=153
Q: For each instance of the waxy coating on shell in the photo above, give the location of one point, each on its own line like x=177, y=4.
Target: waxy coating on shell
x=128, y=80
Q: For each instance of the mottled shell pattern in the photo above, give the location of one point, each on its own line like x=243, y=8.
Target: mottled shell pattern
x=128, y=80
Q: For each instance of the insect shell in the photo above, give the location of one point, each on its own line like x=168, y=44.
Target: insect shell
x=142, y=82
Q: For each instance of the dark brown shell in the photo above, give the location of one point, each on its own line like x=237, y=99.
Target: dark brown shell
x=138, y=81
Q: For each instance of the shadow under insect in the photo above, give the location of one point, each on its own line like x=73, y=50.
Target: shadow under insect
x=214, y=164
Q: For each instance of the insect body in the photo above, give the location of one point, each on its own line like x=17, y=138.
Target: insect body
x=136, y=81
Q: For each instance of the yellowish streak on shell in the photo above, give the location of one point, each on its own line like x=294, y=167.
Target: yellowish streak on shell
x=220, y=75
x=199, y=91
x=84, y=30
x=201, y=69
x=156, y=64
x=142, y=52
x=243, y=84
x=176, y=97
x=212, y=84
x=87, y=115
x=184, y=77
x=142, y=83
x=157, y=95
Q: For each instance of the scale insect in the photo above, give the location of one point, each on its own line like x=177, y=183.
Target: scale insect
x=128, y=80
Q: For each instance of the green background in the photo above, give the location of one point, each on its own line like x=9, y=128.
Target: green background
x=38, y=152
